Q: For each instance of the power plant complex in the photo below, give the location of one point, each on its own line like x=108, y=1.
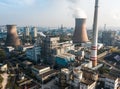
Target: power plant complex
x=60, y=58
x=80, y=34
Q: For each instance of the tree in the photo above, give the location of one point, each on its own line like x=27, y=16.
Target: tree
x=1, y=79
x=2, y=56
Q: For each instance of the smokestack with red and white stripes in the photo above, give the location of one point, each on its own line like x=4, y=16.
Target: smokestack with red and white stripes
x=95, y=36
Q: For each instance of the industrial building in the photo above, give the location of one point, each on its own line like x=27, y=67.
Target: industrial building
x=108, y=38
x=34, y=53
x=48, y=44
x=9, y=48
x=87, y=84
x=111, y=82
x=89, y=74
x=40, y=69
x=25, y=47
x=78, y=79
x=52, y=47
x=43, y=73
x=64, y=60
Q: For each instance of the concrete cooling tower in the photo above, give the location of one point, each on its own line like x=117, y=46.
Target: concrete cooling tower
x=80, y=33
x=12, y=37
x=27, y=31
x=34, y=32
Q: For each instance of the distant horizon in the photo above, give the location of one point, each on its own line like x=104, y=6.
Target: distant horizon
x=100, y=28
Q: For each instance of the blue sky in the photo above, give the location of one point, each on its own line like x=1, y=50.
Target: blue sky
x=53, y=13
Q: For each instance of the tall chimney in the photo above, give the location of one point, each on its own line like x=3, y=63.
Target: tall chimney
x=95, y=36
x=12, y=37
x=80, y=34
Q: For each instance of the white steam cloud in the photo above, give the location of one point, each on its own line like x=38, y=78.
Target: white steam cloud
x=73, y=1
x=76, y=11
x=116, y=15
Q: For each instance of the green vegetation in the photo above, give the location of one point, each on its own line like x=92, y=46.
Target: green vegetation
x=1, y=79
x=16, y=87
x=2, y=56
x=103, y=70
x=64, y=38
x=101, y=51
x=9, y=83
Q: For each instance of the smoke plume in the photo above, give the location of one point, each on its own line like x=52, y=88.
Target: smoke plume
x=77, y=12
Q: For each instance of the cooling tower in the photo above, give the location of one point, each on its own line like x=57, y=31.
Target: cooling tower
x=27, y=31
x=12, y=37
x=34, y=32
x=80, y=33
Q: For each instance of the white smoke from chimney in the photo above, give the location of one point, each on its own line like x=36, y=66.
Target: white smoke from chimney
x=77, y=12
x=116, y=15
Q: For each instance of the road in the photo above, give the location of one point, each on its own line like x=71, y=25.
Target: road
x=14, y=78
x=5, y=79
x=113, y=67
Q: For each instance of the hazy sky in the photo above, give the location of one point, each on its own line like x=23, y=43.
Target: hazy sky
x=53, y=13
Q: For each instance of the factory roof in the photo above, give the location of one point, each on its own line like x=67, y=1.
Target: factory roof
x=65, y=70
x=87, y=82
x=8, y=47
x=28, y=45
x=48, y=73
x=85, y=69
x=27, y=62
x=24, y=81
x=65, y=55
x=32, y=84
x=77, y=71
x=40, y=67
x=109, y=76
